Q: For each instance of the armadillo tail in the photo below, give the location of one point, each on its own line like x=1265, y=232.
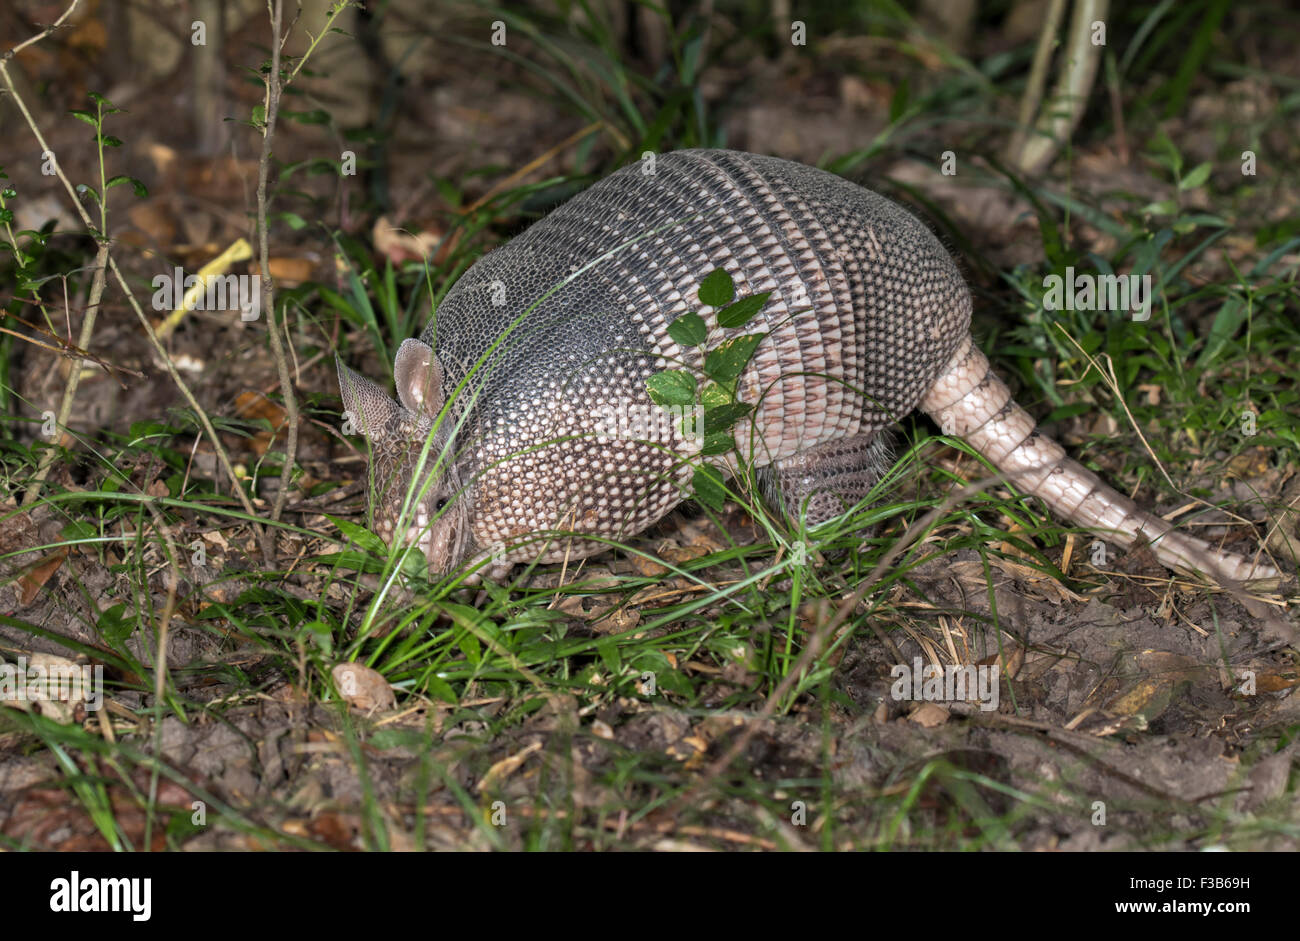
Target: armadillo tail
x=970, y=402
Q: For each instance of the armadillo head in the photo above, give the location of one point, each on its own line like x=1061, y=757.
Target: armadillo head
x=415, y=490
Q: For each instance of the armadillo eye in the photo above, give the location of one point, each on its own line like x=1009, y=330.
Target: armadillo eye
x=440, y=504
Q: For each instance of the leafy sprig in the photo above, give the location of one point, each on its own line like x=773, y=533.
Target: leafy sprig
x=723, y=364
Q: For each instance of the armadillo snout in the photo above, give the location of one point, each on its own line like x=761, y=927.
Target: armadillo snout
x=430, y=515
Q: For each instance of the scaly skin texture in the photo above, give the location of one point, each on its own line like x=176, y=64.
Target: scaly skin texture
x=969, y=401
x=569, y=319
x=535, y=367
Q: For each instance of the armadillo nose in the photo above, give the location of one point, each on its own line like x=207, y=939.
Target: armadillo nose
x=420, y=536
x=417, y=534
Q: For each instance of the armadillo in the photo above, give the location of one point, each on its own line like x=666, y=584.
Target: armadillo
x=499, y=445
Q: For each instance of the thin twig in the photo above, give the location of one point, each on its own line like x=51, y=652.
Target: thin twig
x=1112, y=382
x=66, y=347
x=160, y=658
x=1033, y=94
x=275, y=86
x=1070, y=97
x=42, y=34
x=272, y=107
x=74, y=376
x=222, y=457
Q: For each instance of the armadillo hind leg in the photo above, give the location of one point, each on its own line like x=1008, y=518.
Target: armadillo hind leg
x=969, y=401
x=823, y=481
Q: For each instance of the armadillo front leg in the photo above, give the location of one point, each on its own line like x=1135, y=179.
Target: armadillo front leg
x=825, y=480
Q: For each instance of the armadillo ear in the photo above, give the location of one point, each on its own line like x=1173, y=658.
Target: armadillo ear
x=419, y=378
x=370, y=409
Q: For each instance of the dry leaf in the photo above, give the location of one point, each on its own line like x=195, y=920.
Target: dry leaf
x=647, y=566
x=1012, y=660
x=1164, y=676
x=363, y=688
x=679, y=554
x=249, y=404
x=154, y=218
x=1152, y=392
x=35, y=578
x=572, y=605
x=618, y=621
x=506, y=767
x=162, y=157
x=291, y=272
x=51, y=686
x=929, y=714
x=1275, y=682
x=1249, y=464
x=688, y=749
x=399, y=245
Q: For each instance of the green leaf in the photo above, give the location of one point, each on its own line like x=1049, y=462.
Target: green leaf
x=689, y=330
x=414, y=564
x=608, y=651
x=728, y=361
x=743, y=311
x=113, y=627
x=85, y=116
x=1069, y=411
x=441, y=689
x=322, y=634
x=717, y=288
x=1165, y=152
x=720, y=442
x=707, y=484
x=470, y=647
x=295, y=221
x=724, y=416
x=898, y=103
x=1192, y=54
x=316, y=116
x=714, y=395
x=1204, y=219
x=672, y=387
x=1165, y=207
x=360, y=535
x=108, y=106
x=1194, y=179
x=79, y=530
x=140, y=189
x=108, y=140
x=1226, y=324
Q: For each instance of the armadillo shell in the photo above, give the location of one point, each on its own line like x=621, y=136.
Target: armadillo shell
x=555, y=334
